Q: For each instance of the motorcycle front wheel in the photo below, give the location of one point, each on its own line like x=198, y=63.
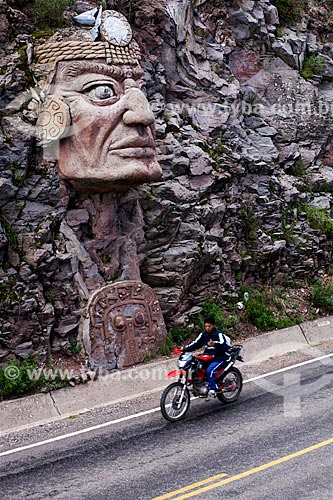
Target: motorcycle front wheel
x=230, y=386
x=175, y=401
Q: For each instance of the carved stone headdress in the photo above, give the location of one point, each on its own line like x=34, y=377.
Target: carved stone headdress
x=114, y=43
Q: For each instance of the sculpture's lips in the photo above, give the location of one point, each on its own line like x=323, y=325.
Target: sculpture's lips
x=135, y=142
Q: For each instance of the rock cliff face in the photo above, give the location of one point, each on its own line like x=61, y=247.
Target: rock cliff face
x=244, y=141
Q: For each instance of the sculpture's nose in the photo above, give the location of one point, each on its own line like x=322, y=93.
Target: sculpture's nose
x=137, y=111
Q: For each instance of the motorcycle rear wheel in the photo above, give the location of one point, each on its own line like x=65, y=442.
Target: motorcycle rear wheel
x=171, y=407
x=231, y=386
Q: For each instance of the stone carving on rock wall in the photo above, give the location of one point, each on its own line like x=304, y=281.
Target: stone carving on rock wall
x=125, y=324
x=97, y=122
x=95, y=110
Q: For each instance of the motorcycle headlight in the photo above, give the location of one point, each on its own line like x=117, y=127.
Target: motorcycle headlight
x=185, y=360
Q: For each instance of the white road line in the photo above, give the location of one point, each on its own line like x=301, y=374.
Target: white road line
x=143, y=413
x=77, y=433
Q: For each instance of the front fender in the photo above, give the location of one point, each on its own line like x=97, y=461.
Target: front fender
x=174, y=373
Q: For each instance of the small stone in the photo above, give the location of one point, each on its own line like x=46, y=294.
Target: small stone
x=91, y=375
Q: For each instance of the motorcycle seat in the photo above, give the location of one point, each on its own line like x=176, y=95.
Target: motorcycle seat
x=204, y=357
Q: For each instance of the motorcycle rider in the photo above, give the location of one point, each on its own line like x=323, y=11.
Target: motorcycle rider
x=217, y=344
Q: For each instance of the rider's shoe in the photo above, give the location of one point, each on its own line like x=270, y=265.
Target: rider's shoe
x=211, y=394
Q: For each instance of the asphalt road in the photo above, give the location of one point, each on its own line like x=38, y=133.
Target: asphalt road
x=276, y=442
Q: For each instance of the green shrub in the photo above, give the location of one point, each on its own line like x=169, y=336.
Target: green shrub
x=14, y=386
x=258, y=313
x=322, y=296
x=175, y=338
x=180, y=334
x=9, y=230
x=212, y=307
x=167, y=346
x=314, y=65
x=288, y=224
x=319, y=218
x=249, y=223
x=290, y=11
x=264, y=311
x=298, y=168
x=17, y=380
x=76, y=347
x=216, y=152
x=49, y=13
x=11, y=291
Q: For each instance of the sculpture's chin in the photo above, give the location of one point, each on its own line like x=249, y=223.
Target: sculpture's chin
x=117, y=179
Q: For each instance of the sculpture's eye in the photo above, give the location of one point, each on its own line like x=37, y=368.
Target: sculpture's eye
x=100, y=92
x=139, y=317
x=119, y=322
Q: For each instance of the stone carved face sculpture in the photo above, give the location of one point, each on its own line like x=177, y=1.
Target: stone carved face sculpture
x=98, y=112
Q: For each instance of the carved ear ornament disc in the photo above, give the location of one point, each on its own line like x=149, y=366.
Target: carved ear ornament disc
x=53, y=120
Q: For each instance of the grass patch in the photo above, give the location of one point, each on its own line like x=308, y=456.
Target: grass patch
x=49, y=13
x=266, y=309
x=20, y=379
x=261, y=310
x=11, y=292
x=290, y=11
x=175, y=337
x=322, y=296
x=320, y=218
x=212, y=307
x=313, y=65
x=298, y=168
x=216, y=152
x=9, y=230
x=249, y=223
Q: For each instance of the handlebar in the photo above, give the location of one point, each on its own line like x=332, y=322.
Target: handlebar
x=235, y=350
x=178, y=350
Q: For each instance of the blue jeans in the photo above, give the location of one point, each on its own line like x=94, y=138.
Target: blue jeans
x=212, y=370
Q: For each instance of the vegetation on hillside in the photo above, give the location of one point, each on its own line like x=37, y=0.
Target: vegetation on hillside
x=313, y=66
x=253, y=311
x=50, y=13
x=289, y=10
x=27, y=378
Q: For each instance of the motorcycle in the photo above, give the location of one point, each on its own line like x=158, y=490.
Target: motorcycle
x=192, y=377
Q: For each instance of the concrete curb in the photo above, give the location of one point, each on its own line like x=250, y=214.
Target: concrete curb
x=274, y=344
x=134, y=382
x=315, y=331
x=113, y=387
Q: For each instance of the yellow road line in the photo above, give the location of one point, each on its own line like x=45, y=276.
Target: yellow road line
x=244, y=474
x=191, y=486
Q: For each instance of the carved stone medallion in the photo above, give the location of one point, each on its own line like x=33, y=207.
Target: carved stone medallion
x=115, y=28
x=126, y=324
